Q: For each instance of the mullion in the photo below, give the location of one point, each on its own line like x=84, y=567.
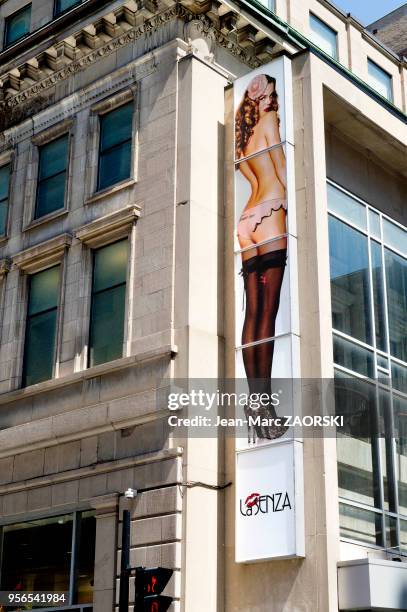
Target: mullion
x=115, y=146
x=42, y=312
x=42, y=180
x=392, y=475
x=99, y=291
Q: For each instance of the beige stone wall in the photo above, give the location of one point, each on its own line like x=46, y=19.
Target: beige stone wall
x=88, y=434
x=366, y=175
x=355, y=46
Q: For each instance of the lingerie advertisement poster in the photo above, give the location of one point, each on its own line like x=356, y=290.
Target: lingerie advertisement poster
x=266, y=306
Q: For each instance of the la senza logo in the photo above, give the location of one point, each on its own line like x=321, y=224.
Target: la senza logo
x=273, y=502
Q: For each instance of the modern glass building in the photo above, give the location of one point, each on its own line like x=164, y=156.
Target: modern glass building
x=118, y=284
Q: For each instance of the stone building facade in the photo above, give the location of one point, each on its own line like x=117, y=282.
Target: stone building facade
x=71, y=445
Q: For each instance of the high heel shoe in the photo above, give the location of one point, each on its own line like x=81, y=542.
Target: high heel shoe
x=269, y=431
x=251, y=431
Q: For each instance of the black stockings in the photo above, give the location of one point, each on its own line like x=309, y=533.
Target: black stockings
x=262, y=287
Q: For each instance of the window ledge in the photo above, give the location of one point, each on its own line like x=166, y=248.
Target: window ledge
x=45, y=219
x=113, y=226
x=99, y=195
x=99, y=370
x=43, y=255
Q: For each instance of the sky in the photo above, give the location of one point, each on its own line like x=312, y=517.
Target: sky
x=367, y=11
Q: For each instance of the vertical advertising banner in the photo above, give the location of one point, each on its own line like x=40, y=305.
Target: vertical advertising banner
x=266, y=305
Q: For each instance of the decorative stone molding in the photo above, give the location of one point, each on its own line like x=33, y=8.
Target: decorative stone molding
x=106, y=105
x=124, y=77
x=109, y=191
x=4, y=267
x=217, y=23
x=52, y=132
x=109, y=228
x=6, y=157
x=43, y=255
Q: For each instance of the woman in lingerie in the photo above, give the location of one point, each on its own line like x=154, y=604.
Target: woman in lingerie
x=261, y=233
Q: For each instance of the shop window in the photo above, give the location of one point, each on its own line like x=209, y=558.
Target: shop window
x=380, y=80
x=17, y=25
x=4, y=193
x=323, y=36
x=115, y=149
x=53, y=161
x=50, y=554
x=41, y=326
x=108, y=303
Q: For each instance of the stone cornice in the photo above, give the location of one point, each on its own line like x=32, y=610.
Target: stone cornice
x=41, y=73
x=43, y=255
x=113, y=226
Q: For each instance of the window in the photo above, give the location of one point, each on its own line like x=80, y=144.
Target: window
x=4, y=188
x=323, y=36
x=115, y=146
x=368, y=268
x=53, y=160
x=37, y=556
x=108, y=303
x=350, y=281
x=17, y=25
x=41, y=326
x=380, y=80
x=270, y=4
x=64, y=5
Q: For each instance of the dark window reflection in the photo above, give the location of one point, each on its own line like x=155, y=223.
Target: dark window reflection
x=86, y=559
x=378, y=295
x=37, y=555
x=349, y=264
x=115, y=146
x=396, y=280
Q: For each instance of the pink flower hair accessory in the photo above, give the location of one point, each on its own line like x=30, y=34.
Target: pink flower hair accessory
x=257, y=87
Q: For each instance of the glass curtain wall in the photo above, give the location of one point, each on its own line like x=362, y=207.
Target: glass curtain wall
x=368, y=267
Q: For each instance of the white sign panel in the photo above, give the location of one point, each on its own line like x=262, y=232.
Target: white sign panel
x=269, y=502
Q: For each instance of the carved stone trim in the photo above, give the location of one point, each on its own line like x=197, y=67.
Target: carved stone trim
x=52, y=132
x=111, y=227
x=106, y=105
x=6, y=157
x=152, y=24
x=43, y=255
x=4, y=267
x=212, y=26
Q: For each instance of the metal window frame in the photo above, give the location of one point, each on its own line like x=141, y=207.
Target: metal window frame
x=7, y=20
x=101, y=152
x=376, y=352
x=76, y=525
x=316, y=17
x=40, y=181
x=57, y=323
x=6, y=198
x=100, y=291
x=372, y=63
x=58, y=13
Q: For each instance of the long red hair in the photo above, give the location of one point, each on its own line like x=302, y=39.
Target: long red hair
x=247, y=117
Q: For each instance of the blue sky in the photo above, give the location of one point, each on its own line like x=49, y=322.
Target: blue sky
x=367, y=11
